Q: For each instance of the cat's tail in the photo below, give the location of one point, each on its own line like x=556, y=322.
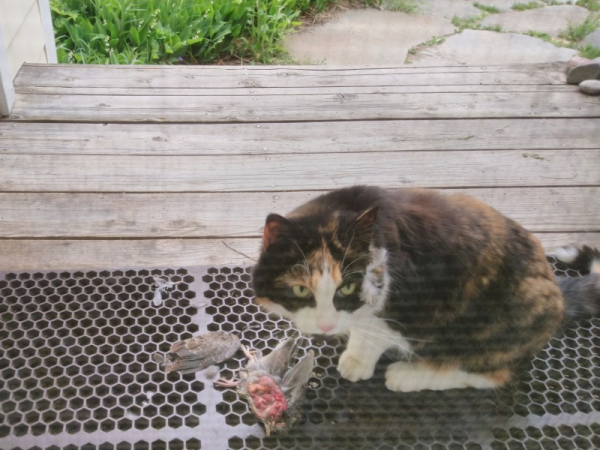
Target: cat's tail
x=582, y=294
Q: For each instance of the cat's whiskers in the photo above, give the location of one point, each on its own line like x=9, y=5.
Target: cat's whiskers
x=356, y=260
x=348, y=247
x=306, y=264
x=362, y=324
x=347, y=274
x=393, y=342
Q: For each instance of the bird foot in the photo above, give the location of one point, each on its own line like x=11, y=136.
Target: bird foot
x=223, y=382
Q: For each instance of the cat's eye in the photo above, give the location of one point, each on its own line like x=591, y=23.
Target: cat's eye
x=301, y=291
x=347, y=289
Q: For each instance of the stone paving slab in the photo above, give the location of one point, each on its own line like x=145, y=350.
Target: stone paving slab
x=550, y=19
x=593, y=38
x=473, y=47
x=366, y=37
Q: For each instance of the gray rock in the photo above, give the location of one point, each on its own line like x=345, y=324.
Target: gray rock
x=590, y=87
x=551, y=19
x=593, y=38
x=577, y=61
x=366, y=37
x=582, y=72
x=489, y=48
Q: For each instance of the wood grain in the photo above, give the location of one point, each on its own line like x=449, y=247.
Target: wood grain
x=320, y=90
x=293, y=172
x=19, y=255
x=293, y=108
x=314, y=137
x=144, y=77
x=242, y=215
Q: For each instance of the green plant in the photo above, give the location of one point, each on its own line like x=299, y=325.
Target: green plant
x=592, y=5
x=474, y=23
x=267, y=23
x=576, y=32
x=172, y=31
x=525, y=6
x=540, y=35
x=405, y=6
x=488, y=9
x=589, y=51
x=463, y=23
x=496, y=28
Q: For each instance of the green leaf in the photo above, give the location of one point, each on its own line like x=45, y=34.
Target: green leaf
x=135, y=36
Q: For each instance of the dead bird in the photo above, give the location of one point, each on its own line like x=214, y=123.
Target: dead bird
x=271, y=387
x=197, y=353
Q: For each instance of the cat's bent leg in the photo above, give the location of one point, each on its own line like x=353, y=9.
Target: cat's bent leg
x=403, y=376
x=368, y=341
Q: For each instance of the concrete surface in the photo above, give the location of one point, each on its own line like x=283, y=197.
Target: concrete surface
x=550, y=19
x=488, y=47
x=365, y=36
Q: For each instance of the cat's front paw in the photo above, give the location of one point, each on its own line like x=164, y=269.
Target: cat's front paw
x=354, y=369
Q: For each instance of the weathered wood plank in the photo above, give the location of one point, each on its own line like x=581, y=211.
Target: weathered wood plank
x=38, y=215
x=228, y=139
x=254, y=92
x=140, y=77
x=36, y=254
x=303, y=107
x=97, y=173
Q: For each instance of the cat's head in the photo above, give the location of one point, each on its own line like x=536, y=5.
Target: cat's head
x=321, y=270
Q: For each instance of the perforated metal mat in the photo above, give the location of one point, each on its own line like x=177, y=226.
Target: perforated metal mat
x=76, y=372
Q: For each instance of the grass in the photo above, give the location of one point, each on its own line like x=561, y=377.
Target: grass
x=463, y=23
x=537, y=34
x=589, y=51
x=592, y=5
x=435, y=40
x=576, y=32
x=473, y=23
x=487, y=9
x=173, y=31
x=405, y=6
x=526, y=6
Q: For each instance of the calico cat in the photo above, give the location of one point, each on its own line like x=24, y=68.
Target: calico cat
x=463, y=291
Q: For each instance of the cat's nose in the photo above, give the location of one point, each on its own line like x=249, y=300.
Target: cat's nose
x=326, y=328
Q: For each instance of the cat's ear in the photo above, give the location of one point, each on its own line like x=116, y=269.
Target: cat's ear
x=366, y=220
x=275, y=227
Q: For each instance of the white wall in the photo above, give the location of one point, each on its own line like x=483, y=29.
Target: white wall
x=27, y=36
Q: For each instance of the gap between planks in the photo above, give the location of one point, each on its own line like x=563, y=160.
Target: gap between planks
x=19, y=255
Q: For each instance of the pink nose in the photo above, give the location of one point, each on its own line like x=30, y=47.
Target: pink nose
x=326, y=328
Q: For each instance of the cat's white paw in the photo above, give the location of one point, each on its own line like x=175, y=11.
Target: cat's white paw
x=354, y=369
x=567, y=254
x=405, y=377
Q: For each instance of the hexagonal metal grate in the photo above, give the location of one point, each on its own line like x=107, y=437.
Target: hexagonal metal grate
x=75, y=360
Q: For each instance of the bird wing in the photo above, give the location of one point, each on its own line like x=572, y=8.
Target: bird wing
x=199, y=352
x=295, y=380
x=278, y=361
